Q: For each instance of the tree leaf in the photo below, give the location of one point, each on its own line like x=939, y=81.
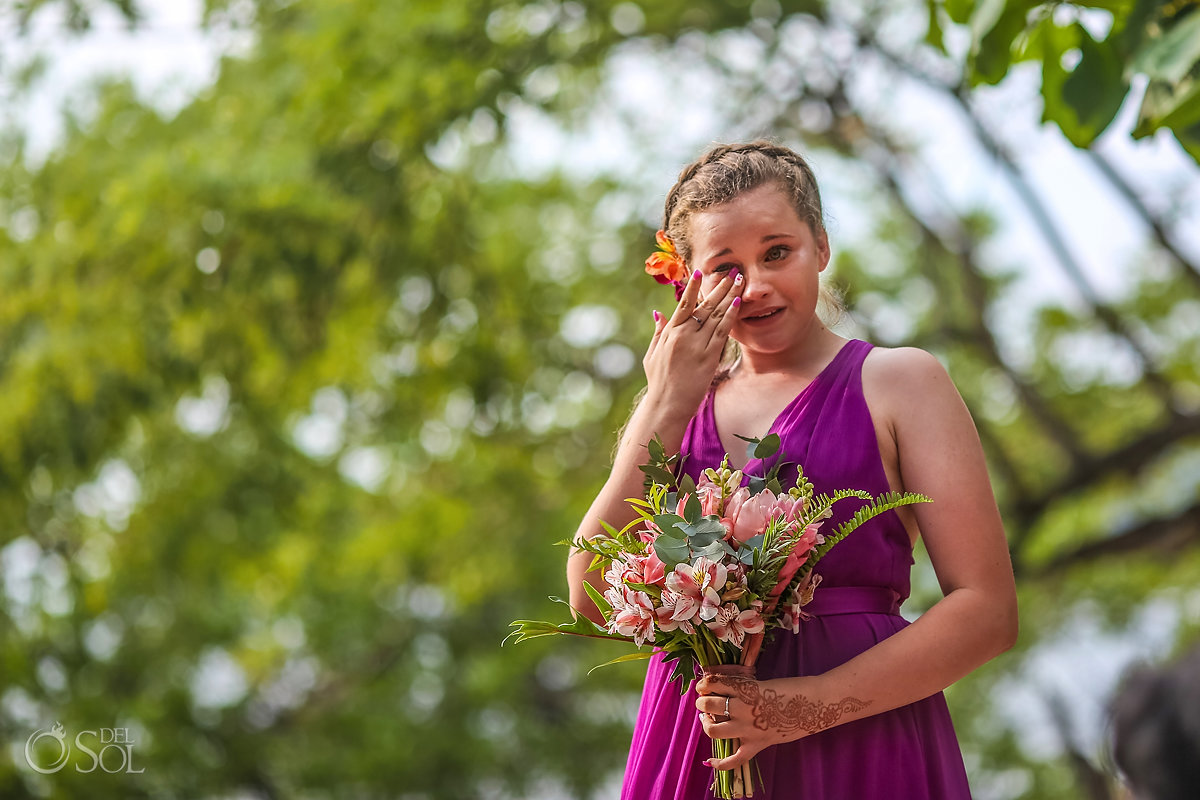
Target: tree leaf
x=1171, y=55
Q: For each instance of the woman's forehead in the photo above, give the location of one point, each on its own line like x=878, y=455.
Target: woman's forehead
x=755, y=214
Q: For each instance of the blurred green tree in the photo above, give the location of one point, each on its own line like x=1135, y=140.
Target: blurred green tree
x=1086, y=73
x=300, y=384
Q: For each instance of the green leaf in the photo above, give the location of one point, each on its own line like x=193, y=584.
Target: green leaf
x=658, y=474
x=960, y=10
x=640, y=655
x=601, y=602
x=996, y=26
x=655, y=447
x=691, y=509
x=526, y=629
x=669, y=523
x=767, y=447
x=671, y=551
x=686, y=484
x=712, y=550
x=707, y=527
x=1094, y=90
x=1170, y=56
x=933, y=33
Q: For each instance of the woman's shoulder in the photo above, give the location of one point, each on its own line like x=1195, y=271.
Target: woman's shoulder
x=897, y=379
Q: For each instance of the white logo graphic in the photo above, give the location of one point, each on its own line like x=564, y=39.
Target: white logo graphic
x=57, y=732
x=112, y=739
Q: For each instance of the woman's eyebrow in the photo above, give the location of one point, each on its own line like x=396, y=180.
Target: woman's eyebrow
x=769, y=237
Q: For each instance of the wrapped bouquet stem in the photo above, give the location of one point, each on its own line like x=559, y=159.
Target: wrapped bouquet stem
x=707, y=569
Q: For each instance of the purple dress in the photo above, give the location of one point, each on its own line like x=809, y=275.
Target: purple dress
x=909, y=753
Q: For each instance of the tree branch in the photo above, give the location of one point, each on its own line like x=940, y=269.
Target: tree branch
x=1167, y=534
x=1157, y=227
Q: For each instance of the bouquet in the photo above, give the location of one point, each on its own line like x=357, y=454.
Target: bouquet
x=707, y=569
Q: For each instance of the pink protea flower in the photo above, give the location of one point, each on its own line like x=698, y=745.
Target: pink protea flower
x=633, y=615
x=701, y=582
x=732, y=624
x=750, y=516
x=787, y=508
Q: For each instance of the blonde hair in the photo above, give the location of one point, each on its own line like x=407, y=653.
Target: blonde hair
x=729, y=170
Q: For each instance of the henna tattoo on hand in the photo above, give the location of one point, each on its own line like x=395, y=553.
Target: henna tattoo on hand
x=773, y=711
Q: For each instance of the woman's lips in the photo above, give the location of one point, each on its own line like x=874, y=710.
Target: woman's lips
x=760, y=316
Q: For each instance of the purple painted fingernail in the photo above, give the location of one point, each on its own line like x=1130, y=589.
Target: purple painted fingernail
x=657, y=316
x=696, y=275
x=737, y=301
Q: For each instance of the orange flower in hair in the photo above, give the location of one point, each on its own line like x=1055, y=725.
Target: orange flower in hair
x=664, y=264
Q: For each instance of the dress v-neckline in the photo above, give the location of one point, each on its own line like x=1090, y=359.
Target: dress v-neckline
x=800, y=396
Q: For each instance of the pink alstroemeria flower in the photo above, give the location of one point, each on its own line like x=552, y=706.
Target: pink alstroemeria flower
x=732, y=624
x=647, y=569
x=633, y=615
x=676, y=613
x=701, y=583
x=793, y=613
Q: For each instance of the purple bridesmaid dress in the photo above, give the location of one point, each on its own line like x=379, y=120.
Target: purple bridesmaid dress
x=909, y=753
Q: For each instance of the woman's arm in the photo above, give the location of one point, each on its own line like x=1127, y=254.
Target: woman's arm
x=939, y=454
x=680, y=364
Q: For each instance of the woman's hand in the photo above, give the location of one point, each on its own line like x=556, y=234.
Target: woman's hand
x=686, y=349
x=763, y=713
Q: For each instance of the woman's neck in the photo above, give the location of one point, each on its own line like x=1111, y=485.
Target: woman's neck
x=806, y=358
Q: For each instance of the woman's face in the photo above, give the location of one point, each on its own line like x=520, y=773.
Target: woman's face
x=780, y=258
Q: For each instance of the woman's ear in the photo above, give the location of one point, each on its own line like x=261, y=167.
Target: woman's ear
x=823, y=249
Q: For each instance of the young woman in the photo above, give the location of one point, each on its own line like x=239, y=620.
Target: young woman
x=849, y=708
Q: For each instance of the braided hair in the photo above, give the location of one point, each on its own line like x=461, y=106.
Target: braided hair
x=729, y=170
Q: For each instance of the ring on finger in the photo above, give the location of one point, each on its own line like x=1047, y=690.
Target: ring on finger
x=699, y=321
x=728, y=716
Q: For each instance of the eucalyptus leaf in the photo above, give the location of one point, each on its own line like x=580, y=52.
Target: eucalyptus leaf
x=671, y=551
x=767, y=446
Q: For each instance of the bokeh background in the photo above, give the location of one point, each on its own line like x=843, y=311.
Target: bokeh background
x=317, y=320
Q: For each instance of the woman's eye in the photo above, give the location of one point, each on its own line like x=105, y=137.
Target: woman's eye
x=777, y=252
x=723, y=268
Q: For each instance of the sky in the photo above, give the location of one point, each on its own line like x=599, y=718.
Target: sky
x=170, y=60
